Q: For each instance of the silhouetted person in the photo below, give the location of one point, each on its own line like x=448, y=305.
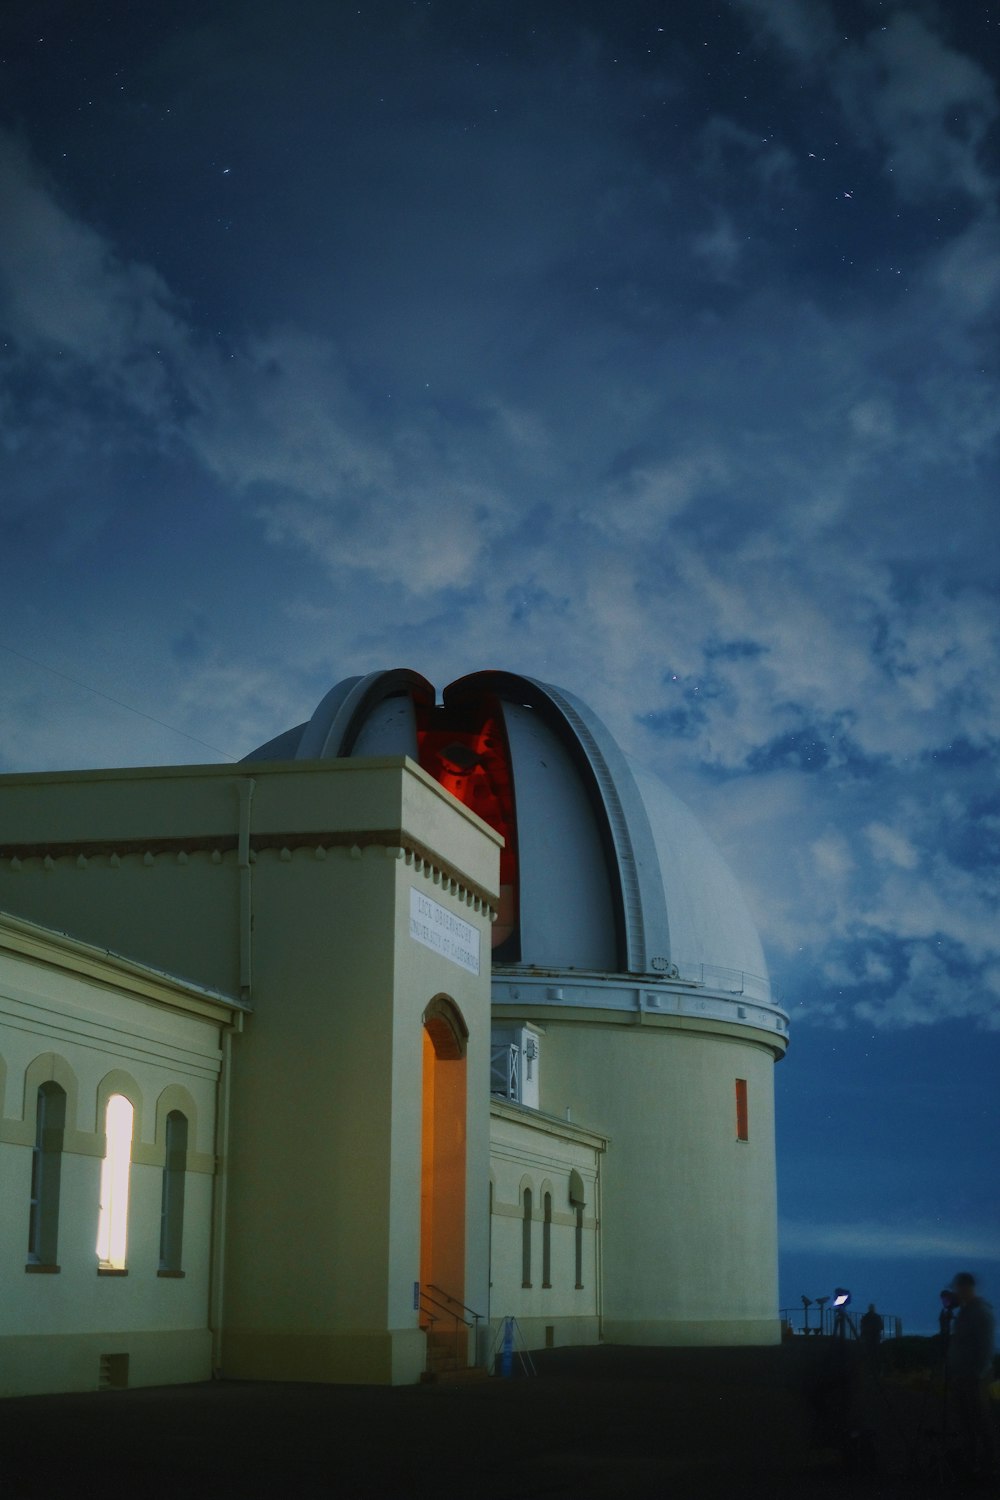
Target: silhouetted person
x=871, y=1328
x=970, y=1369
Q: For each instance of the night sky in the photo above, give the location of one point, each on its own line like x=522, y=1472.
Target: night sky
x=649, y=349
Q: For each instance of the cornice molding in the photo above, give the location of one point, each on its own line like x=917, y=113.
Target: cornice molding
x=395, y=842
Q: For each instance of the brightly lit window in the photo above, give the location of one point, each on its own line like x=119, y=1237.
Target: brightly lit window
x=172, y=1195
x=46, y=1163
x=112, y=1223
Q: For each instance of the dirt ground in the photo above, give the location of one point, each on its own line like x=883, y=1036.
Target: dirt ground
x=803, y=1420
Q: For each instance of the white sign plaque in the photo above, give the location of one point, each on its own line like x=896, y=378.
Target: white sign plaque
x=436, y=927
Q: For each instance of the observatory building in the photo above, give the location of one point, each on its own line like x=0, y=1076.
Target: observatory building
x=427, y=1016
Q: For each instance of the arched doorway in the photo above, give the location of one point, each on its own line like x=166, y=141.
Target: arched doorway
x=443, y=1169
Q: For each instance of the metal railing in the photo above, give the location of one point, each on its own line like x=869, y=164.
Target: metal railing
x=730, y=981
x=816, y=1321
x=438, y=1306
x=505, y=1071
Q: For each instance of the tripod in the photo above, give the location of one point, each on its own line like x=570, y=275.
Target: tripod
x=934, y=1443
x=875, y=1431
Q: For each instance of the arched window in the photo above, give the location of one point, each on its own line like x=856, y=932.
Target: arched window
x=112, y=1223
x=46, y=1163
x=578, y=1198
x=526, y=1240
x=547, y=1240
x=172, y=1194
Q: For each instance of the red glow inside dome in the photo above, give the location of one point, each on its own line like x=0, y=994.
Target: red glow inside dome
x=464, y=747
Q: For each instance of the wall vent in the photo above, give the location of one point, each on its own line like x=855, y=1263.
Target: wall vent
x=113, y=1373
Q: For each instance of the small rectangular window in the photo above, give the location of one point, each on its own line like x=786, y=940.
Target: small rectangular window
x=742, y=1117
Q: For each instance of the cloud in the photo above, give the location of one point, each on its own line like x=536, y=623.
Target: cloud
x=903, y=88
x=887, y=844
x=534, y=401
x=931, y=105
x=645, y=494
x=889, y=1241
x=67, y=299
x=724, y=142
x=873, y=421
x=104, y=710
x=806, y=29
x=719, y=248
x=832, y=854
x=967, y=272
x=281, y=422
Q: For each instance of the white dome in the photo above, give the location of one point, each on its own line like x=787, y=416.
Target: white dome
x=710, y=925
x=607, y=872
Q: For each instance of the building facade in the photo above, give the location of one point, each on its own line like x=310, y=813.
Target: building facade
x=426, y=1016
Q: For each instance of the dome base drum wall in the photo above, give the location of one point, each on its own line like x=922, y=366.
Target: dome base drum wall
x=689, y=1222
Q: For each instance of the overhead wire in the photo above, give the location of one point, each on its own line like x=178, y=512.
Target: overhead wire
x=22, y=656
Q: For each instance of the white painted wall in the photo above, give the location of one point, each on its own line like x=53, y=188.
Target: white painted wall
x=322, y=1175
x=534, y=1151
x=77, y=1019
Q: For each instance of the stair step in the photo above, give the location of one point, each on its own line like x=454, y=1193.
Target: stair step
x=469, y=1374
